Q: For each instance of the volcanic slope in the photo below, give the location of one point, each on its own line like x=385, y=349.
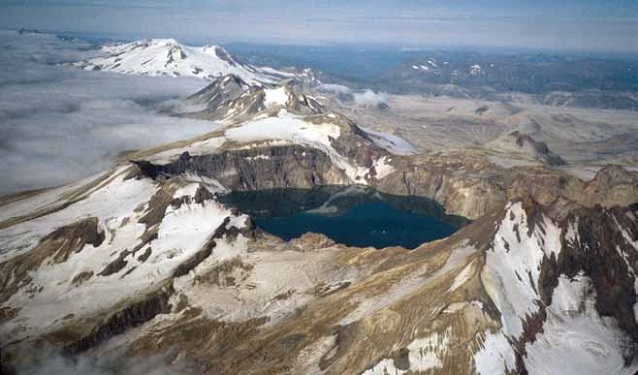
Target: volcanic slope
x=144, y=260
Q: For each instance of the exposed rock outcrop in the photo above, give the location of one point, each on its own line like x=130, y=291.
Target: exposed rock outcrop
x=521, y=143
x=232, y=99
x=56, y=247
x=262, y=168
x=312, y=241
x=221, y=90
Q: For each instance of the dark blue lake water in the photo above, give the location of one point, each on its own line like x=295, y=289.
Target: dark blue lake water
x=374, y=224
x=359, y=217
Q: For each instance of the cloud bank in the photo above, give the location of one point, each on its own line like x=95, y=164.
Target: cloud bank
x=59, y=124
x=365, y=98
x=47, y=360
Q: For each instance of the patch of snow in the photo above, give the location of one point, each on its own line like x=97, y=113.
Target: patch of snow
x=187, y=229
x=211, y=184
x=495, y=356
x=424, y=354
x=391, y=143
x=382, y=167
x=112, y=198
x=45, y=199
x=204, y=147
x=275, y=97
x=571, y=236
x=254, y=291
x=257, y=157
x=462, y=277
x=476, y=70
x=575, y=339
x=384, y=367
x=286, y=128
x=512, y=268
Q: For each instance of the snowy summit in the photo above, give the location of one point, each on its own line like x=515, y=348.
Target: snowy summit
x=167, y=57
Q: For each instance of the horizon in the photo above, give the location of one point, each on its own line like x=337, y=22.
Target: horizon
x=580, y=27
x=100, y=38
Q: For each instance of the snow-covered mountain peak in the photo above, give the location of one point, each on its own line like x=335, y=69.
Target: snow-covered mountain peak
x=163, y=42
x=141, y=44
x=215, y=50
x=167, y=57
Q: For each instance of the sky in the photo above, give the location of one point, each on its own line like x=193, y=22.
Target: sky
x=565, y=25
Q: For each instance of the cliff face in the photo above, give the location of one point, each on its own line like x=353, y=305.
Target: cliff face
x=266, y=168
x=465, y=184
x=470, y=186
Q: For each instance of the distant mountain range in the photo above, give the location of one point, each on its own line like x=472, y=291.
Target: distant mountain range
x=557, y=80
x=547, y=79
x=527, y=73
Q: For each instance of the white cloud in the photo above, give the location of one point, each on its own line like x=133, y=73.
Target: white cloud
x=363, y=98
x=48, y=360
x=58, y=124
x=334, y=88
x=370, y=98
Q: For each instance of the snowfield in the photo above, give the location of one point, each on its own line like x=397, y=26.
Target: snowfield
x=575, y=330
x=513, y=267
x=167, y=57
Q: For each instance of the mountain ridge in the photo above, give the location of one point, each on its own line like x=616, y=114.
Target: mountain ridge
x=167, y=57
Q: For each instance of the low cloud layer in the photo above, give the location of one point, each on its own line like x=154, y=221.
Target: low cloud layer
x=58, y=124
x=370, y=98
x=49, y=360
x=365, y=98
